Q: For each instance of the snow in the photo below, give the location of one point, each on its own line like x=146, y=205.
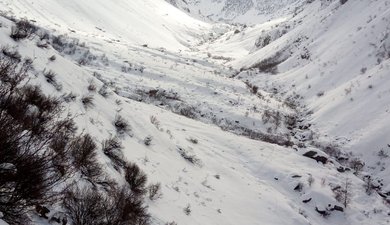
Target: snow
x=237, y=180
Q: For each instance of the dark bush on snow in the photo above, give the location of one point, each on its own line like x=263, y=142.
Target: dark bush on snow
x=83, y=150
x=22, y=29
x=93, y=207
x=51, y=79
x=136, y=179
x=11, y=54
x=112, y=148
x=154, y=191
x=121, y=124
x=30, y=153
x=87, y=101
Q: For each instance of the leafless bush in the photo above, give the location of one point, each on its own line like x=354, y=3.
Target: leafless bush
x=154, y=191
x=187, y=210
x=70, y=97
x=112, y=148
x=171, y=223
x=83, y=150
x=368, y=184
x=11, y=54
x=193, y=140
x=148, y=140
x=320, y=94
x=343, y=193
x=253, y=88
x=87, y=101
x=51, y=79
x=58, y=43
x=52, y=58
x=29, y=123
x=136, y=179
x=186, y=110
x=310, y=180
x=103, y=91
x=270, y=65
x=121, y=124
x=357, y=165
x=188, y=157
x=91, y=86
x=155, y=122
x=22, y=29
x=93, y=207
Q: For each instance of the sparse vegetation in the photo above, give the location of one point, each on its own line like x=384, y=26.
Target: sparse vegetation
x=83, y=150
x=23, y=29
x=112, y=148
x=120, y=206
x=121, y=124
x=187, y=210
x=188, y=157
x=31, y=162
x=154, y=191
x=103, y=91
x=343, y=193
x=136, y=179
x=51, y=79
x=148, y=140
x=87, y=101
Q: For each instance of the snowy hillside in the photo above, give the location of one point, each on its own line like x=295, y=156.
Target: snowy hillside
x=337, y=61
x=237, y=11
x=274, y=123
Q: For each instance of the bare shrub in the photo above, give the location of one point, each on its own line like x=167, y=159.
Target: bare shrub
x=253, y=88
x=155, y=122
x=357, y=165
x=154, y=191
x=103, y=91
x=70, y=97
x=91, y=86
x=29, y=123
x=83, y=150
x=51, y=79
x=186, y=110
x=310, y=180
x=171, y=223
x=187, y=210
x=136, y=178
x=320, y=94
x=368, y=184
x=11, y=54
x=112, y=148
x=121, y=124
x=87, y=101
x=270, y=65
x=188, y=157
x=22, y=29
x=148, y=140
x=93, y=207
x=343, y=193
x=193, y=140
x=52, y=58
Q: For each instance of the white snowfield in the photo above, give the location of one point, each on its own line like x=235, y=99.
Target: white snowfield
x=335, y=56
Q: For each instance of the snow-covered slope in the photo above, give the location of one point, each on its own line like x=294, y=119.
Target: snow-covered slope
x=337, y=58
x=237, y=11
x=179, y=95
x=139, y=22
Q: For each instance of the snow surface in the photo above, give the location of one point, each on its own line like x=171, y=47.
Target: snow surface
x=237, y=180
